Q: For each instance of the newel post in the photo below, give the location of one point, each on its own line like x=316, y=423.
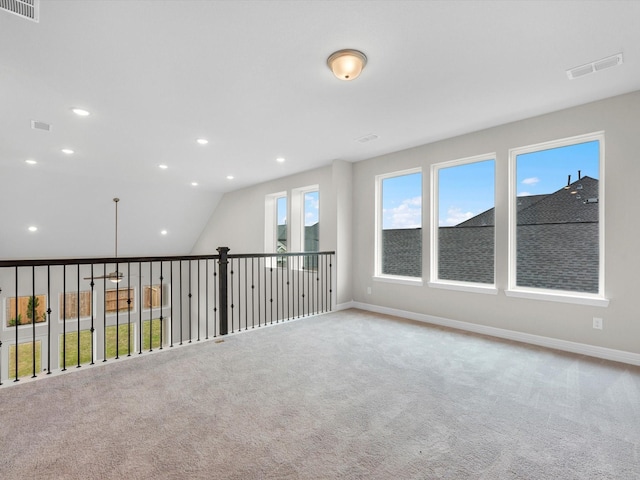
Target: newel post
x=223, y=288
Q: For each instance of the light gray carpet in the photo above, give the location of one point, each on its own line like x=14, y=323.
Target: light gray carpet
x=348, y=395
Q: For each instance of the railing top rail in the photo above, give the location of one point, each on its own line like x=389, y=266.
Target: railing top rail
x=125, y=260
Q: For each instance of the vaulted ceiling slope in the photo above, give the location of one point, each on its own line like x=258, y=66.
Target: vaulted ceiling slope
x=251, y=78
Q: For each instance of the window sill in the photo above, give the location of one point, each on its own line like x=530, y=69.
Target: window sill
x=564, y=297
x=465, y=287
x=416, y=282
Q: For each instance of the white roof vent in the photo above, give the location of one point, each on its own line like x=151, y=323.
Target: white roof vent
x=29, y=9
x=593, y=67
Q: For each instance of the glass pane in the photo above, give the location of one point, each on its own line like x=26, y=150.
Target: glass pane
x=25, y=359
x=281, y=225
x=125, y=336
x=151, y=339
x=402, y=225
x=70, y=345
x=311, y=222
x=466, y=196
x=558, y=218
x=27, y=306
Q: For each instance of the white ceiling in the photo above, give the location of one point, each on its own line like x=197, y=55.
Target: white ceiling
x=251, y=77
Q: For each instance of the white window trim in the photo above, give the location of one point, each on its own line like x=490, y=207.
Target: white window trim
x=435, y=226
x=378, y=275
x=546, y=294
x=271, y=219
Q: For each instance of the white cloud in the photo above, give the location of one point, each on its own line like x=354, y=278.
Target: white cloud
x=524, y=194
x=455, y=216
x=406, y=215
x=530, y=181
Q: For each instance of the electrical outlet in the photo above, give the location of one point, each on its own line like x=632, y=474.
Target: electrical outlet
x=597, y=323
x=368, y=290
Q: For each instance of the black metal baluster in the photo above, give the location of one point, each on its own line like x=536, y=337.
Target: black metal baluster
x=259, y=294
x=140, y=305
x=33, y=320
x=64, y=318
x=206, y=299
x=198, y=299
x=17, y=379
x=117, y=311
x=253, y=294
x=298, y=275
x=104, y=311
x=330, y=281
x=92, y=284
x=246, y=296
x=215, y=300
x=171, y=304
x=180, y=300
x=78, y=312
x=150, y=307
x=190, y=318
x=231, y=295
x=48, y=320
x=161, y=304
x=128, y=309
x=271, y=290
x=288, y=289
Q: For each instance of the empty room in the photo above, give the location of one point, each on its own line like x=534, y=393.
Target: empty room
x=319, y=239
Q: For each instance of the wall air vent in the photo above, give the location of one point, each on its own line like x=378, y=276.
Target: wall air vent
x=593, y=67
x=36, y=125
x=29, y=9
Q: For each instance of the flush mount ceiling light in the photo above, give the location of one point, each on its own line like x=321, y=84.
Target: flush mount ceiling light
x=67, y=151
x=280, y=160
x=33, y=228
x=163, y=166
x=202, y=141
x=31, y=161
x=81, y=112
x=194, y=184
x=230, y=177
x=347, y=64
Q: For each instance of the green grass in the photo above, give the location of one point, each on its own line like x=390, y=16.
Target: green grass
x=25, y=359
x=124, y=346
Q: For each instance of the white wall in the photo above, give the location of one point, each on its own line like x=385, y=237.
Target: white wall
x=619, y=118
x=238, y=222
x=347, y=226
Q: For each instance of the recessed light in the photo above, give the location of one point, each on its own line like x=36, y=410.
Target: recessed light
x=163, y=166
x=163, y=232
x=31, y=162
x=202, y=141
x=33, y=228
x=229, y=177
x=280, y=160
x=81, y=112
x=194, y=184
x=68, y=151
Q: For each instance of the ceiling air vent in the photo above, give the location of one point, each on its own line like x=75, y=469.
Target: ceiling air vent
x=593, y=67
x=367, y=138
x=36, y=125
x=29, y=9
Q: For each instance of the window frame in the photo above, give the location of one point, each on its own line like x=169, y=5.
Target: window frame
x=434, y=280
x=566, y=296
x=378, y=275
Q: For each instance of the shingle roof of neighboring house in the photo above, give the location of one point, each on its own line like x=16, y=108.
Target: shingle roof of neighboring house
x=561, y=206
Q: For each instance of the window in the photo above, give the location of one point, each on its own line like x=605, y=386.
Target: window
x=311, y=218
x=71, y=305
x=118, y=300
x=152, y=295
x=25, y=359
x=151, y=334
x=463, y=201
x=281, y=224
x=119, y=340
x=275, y=222
x=27, y=307
x=399, y=219
x=556, y=238
x=68, y=348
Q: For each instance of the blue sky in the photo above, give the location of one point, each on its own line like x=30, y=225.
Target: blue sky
x=282, y=210
x=311, y=208
x=467, y=190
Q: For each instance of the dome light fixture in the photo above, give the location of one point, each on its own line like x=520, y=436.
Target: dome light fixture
x=347, y=64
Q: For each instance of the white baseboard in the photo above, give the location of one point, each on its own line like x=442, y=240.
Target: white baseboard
x=565, y=345
x=345, y=306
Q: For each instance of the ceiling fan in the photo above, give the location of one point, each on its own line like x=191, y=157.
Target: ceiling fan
x=115, y=276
